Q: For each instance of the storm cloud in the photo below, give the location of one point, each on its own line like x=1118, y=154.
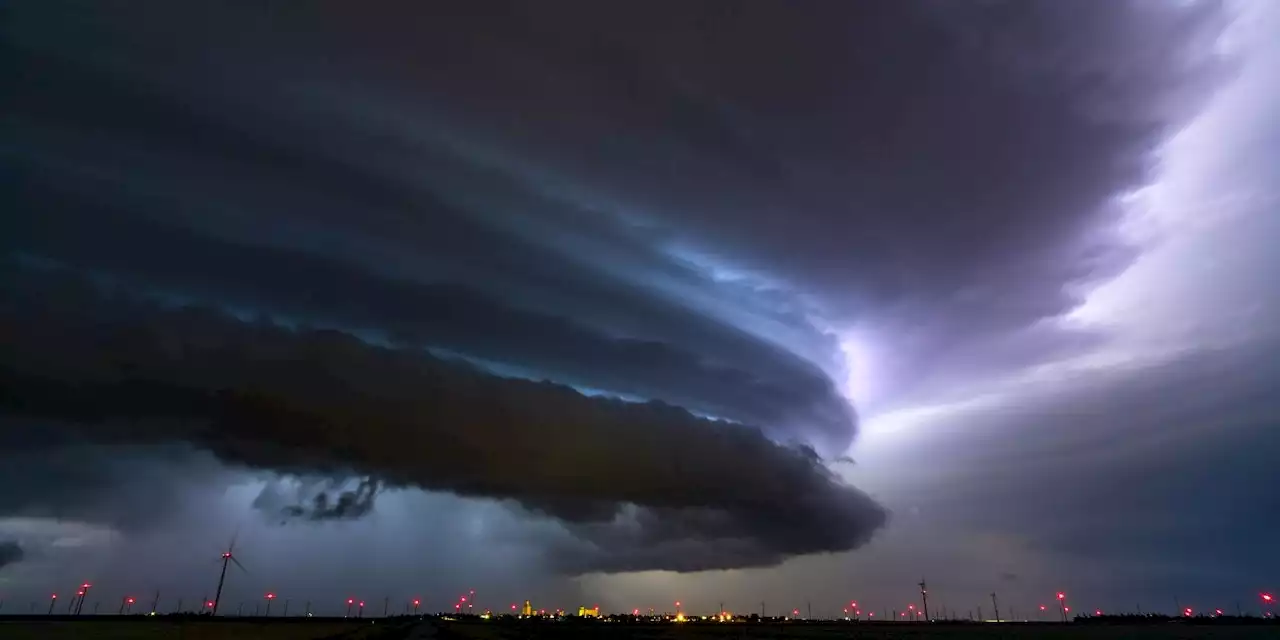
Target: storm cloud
x=119, y=369
x=10, y=553
x=627, y=277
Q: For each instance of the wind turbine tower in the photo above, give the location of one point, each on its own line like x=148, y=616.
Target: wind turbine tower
x=228, y=557
x=924, y=599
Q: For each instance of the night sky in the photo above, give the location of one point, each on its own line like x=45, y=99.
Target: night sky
x=628, y=303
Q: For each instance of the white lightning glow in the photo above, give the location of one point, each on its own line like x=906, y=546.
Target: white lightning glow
x=857, y=358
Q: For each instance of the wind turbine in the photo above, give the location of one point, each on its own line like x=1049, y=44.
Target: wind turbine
x=227, y=557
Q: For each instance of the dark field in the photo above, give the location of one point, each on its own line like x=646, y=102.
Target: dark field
x=389, y=629
x=194, y=629
x=870, y=631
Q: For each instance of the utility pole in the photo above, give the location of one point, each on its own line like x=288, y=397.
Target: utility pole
x=924, y=599
x=996, y=606
x=762, y=608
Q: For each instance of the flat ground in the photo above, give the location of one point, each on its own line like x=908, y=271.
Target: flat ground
x=393, y=629
x=161, y=629
x=867, y=631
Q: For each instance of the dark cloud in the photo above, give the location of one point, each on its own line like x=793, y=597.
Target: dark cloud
x=760, y=384
x=316, y=501
x=46, y=471
x=10, y=553
x=719, y=182
x=321, y=402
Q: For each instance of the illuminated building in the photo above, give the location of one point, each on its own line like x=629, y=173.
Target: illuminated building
x=593, y=612
x=528, y=608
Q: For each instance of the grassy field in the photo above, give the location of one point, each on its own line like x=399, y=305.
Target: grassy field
x=157, y=629
x=872, y=631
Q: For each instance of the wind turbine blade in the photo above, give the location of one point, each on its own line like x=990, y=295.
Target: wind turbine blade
x=237, y=562
x=236, y=534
